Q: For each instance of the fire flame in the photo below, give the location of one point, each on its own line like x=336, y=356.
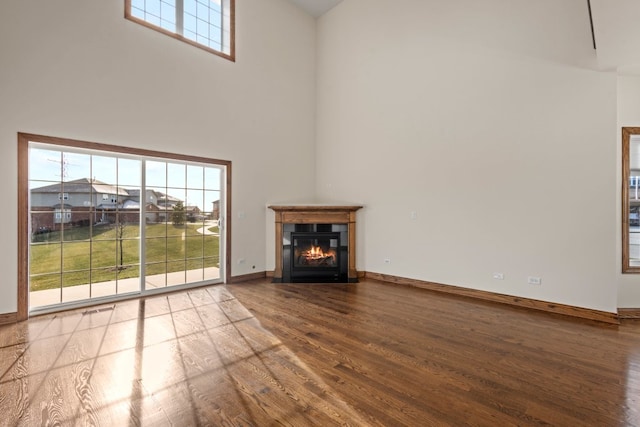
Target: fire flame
x=315, y=256
x=316, y=252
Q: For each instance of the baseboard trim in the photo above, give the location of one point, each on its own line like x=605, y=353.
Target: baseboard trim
x=8, y=318
x=247, y=277
x=629, y=313
x=567, y=310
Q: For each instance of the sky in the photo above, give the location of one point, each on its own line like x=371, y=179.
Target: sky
x=194, y=184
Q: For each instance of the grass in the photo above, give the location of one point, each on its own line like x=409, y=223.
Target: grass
x=82, y=255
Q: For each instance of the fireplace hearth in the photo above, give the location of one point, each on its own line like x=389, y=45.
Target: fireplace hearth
x=315, y=244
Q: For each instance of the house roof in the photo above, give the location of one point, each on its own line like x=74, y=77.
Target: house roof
x=163, y=196
x=159, y=195
x=82, y=185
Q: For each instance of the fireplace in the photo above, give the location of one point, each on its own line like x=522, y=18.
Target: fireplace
x=315, y=244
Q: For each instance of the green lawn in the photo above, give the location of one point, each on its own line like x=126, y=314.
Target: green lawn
x=82, y=255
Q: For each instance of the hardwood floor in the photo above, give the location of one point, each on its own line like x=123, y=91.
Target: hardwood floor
x=362, y=354
x=406, y=356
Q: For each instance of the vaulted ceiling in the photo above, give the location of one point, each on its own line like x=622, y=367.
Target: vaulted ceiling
x=617, y=34
x=316, y=7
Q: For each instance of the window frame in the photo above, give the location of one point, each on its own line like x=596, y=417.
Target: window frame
x=24, y=234
x=231, y=56
x=627, y=133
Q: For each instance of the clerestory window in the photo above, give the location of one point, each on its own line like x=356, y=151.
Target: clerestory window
x=207, y=24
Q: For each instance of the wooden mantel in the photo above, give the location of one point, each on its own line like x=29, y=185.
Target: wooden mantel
x=316, y=214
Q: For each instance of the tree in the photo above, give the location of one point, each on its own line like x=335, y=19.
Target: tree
x=120, y=227
x=178, y=216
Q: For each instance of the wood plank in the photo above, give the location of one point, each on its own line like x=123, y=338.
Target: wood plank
x=313, y=217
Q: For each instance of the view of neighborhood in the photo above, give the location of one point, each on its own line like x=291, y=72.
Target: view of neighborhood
x=84, y=201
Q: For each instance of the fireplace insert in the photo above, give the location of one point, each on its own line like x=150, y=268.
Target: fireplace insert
x=315, y=253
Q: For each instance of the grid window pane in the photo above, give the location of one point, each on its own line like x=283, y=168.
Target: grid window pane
x=215, y=35
x=169, y=26
x=204, y=21
x=75, y=166
x=156, y=250
x=202, y=11
x=190, y=23
x=195, y=176
x=190, y=7
x=138, y=13
x=191, y=35
x=152, y=7
x=176, y=175
x=168, y=11
x=152, y=19
x=44, y=282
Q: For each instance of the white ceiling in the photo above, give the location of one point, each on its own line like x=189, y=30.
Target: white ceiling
x=616, y=31
x=617, y=34
x=315, y=7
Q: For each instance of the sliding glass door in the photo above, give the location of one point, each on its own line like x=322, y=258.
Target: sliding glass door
x=182, y=236
x=106, y=223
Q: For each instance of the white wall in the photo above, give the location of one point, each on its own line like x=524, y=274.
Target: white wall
x=78, y=69
x=488, y=121
x=628, y=115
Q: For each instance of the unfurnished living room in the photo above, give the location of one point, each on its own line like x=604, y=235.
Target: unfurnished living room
x=320, y=212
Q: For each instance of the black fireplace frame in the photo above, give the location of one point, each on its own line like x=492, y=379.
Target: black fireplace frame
x=292, y=273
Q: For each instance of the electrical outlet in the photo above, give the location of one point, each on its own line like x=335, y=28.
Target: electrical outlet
x=413, y=215
x=498, y=276
x=387, y=261
x=534, y=280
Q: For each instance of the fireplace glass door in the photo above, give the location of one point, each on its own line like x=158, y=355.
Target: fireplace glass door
x=315, y=256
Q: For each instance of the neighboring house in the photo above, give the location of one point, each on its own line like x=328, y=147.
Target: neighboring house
x=193, y=213
x=215, y=212
x=153, y=211
x=166, y=201
x=85, y=200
